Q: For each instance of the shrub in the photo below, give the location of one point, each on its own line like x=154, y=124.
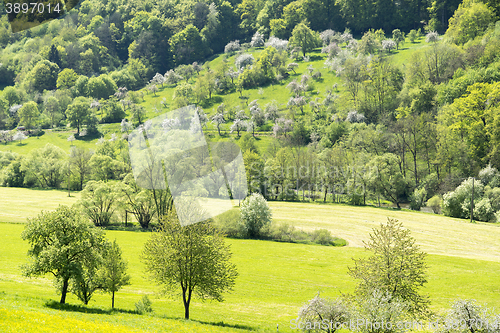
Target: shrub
x=228, y=223
x=255, y=215
x=483, y=210
x=418, y=198
x=435, y=203
x=232, y=47
x=322, y=236
x=144, y=305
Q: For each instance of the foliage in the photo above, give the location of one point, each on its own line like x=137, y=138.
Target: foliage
x=396, y=269
x=60, y=241
x=255, y=215
x=470, y=20
x=318, y=313
x=78, y=113
x=382, y=307
x=305, y=38
x=418, y=198
x=98, y=201
x=45, y=167
x=435, y=203
x=385, y=177
x=458, y=203
x=144, y=305
x=193, y=258
x=113, y=271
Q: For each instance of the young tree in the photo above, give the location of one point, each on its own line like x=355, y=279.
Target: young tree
x=318, y=310
x=18, y=136
x=218, y=119
x=28, y=114
x=396, y=267
x=59, y=241
x=398, y=37
x=255, y=215
x=194, y=258
x=98, y=201
x=305, y=38
x=78, y=113
x=113, y=273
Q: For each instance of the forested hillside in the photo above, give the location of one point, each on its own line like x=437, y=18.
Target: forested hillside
x=400, y=113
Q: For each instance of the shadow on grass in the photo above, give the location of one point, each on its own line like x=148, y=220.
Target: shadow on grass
x=223, y=324
x=83, y=308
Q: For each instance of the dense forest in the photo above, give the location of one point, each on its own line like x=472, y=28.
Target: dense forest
x=408, y=131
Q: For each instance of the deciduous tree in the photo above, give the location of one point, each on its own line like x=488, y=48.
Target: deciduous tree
x=396, y=267
x=59, y=241
x=193, y=258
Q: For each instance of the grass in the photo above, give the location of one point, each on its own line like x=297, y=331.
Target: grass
x=436, y=234
x=59, y=139
x=16, y=204
x=275, y=279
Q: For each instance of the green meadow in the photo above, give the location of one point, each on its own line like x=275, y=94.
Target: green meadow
x=275, y=279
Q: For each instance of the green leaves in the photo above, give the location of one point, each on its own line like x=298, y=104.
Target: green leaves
x=396, y=267
x=193, y=258
x=60, y=242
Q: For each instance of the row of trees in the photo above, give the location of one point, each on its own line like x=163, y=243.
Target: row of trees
x=77, y=254
x=193, y=258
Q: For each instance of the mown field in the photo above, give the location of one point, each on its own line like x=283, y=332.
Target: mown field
x=275, y=278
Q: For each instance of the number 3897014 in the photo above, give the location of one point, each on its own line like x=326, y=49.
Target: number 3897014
x=32, y=7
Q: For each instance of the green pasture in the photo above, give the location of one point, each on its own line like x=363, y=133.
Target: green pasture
x=275, y=279
x=59, y=139
x=17, y=204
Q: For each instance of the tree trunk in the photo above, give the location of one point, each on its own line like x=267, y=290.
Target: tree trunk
x=113, y=300
x=64, y=291
x=186, y=301
x=326, y=191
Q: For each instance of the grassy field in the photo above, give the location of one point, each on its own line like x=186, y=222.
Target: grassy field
x=17, y=204
x=275, y=279
x=436, y=234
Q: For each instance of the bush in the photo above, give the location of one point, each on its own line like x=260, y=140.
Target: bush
x=144, y=305
x=228, y=223
x=490, y=176
x=418, y=198
x=483, y=210
x=457, y=203
x=435, y=203
x=232, y=47
x=255, y=215
x=318, y=310
x=243, y=61
x=322, y=236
